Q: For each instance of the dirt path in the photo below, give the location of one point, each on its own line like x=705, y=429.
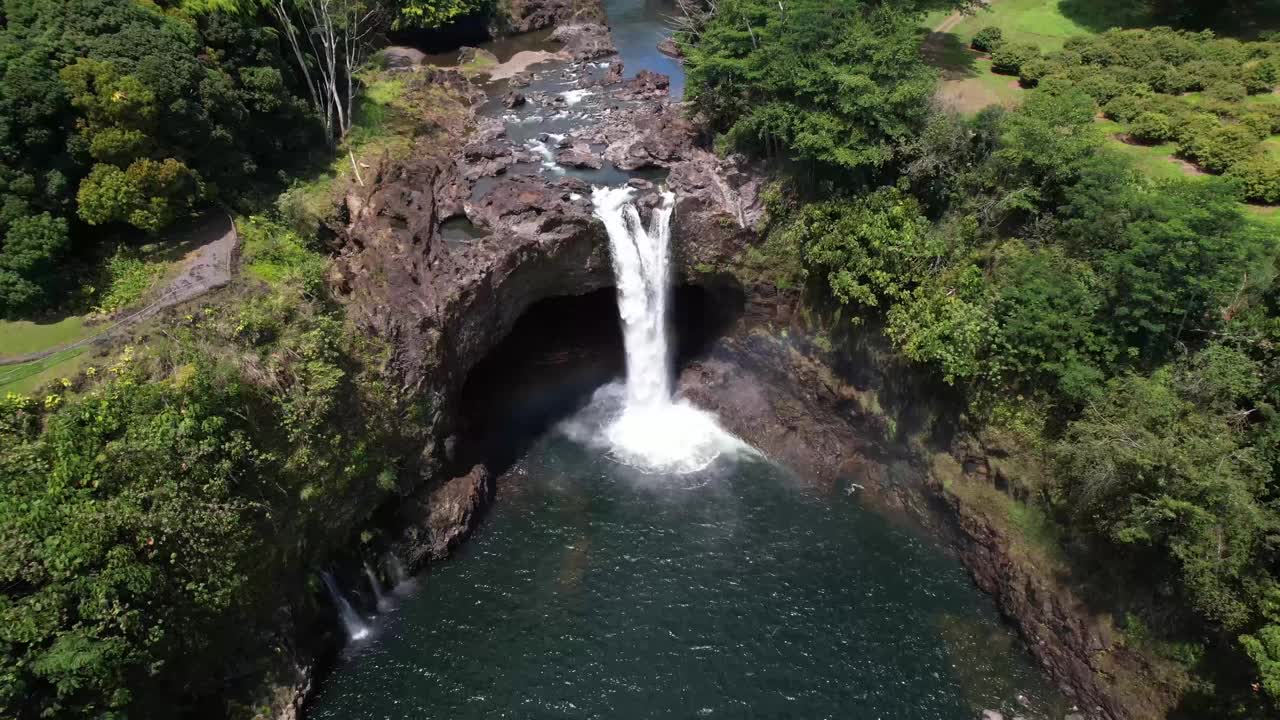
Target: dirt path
x=206, y=268
x=949, y=23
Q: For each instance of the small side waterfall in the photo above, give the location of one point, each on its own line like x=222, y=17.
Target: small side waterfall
x=376, y=585
x=395, y=569
x=351, y=622
x=653, y=432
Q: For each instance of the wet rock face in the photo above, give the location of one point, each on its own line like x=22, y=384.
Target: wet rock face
x=451, y=511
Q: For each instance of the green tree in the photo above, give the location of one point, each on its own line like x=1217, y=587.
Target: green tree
x=946, y=323
x=1185, y=253
x=1046, y=306
x=1161, y=466
x=430, y=14
x=148, y=194
x=1044, y=147
x=837, y=85
x=869, y=251
x=29, y=258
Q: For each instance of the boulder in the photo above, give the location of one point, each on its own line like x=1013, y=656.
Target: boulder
x=585, y=41
x=646, y=85
x=399, y=57
x=513, y=100
x=670, y=48
x=614, y=75
x=455, y=508
x=469, y=55
x=526, y=15
x=579, y=156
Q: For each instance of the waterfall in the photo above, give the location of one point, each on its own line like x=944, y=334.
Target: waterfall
x=652, y=432
x=351, y=622
x=640, y=262
x=381, y=599
x=396, y=570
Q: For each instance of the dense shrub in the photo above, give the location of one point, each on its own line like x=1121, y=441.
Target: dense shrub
x=1124, y=108
x=1191, y=130
x=1104, y=86
x=1259, y=123
x=1033, y=71
x=1260, y=76
x=987, y=39
x=1009, y=57
x=1226, y=91
x=1203, y=74
x=1258, y=179
x=1151, y=128
x=1225, y=146
x=1273, y=115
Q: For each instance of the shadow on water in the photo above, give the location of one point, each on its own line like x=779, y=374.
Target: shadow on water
x=559, y=353
x=469, y=30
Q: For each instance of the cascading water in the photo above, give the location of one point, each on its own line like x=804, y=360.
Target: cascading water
x=396, y=570
x=351, y=622
x=376, y=585
x=651, y=431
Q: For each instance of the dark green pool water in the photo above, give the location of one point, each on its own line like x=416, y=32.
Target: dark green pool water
x=592, y=591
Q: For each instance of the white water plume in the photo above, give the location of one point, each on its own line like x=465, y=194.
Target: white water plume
x=396, y=570
x=548, y=156
x=376, y=585
x=351, y=622
x=649, y=431
x=573, y=97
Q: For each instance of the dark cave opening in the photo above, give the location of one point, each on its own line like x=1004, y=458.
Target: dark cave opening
x=560, y=351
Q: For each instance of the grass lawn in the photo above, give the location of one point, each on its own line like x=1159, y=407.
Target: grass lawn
x=1044, y=23
x=968, y=85
x=28, y=377
x=1268, y=216
x=20, y=337
x=1155, y=161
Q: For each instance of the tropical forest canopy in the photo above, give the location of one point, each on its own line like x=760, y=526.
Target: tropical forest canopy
x=156, y=510
x=1124, y=327
x=119, y=115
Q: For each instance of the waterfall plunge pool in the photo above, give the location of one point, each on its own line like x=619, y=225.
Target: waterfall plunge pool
x=593, y=590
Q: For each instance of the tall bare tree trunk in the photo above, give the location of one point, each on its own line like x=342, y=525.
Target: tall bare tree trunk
x=338, y=34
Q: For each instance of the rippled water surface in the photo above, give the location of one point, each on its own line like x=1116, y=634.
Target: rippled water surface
x=592, y=591
x=638, y=26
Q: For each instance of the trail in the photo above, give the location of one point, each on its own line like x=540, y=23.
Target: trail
x=950, y=22
x=206, y=268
